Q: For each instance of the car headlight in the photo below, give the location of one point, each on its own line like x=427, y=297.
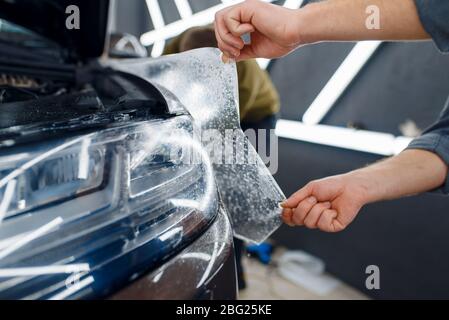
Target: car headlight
x=81, y=216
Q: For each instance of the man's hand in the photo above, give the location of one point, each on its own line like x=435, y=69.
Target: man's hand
x=274, y=31
x=329, y=204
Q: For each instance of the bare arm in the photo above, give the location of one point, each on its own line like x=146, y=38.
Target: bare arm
x=276, y=31
x=411, y=172
x=345, y=20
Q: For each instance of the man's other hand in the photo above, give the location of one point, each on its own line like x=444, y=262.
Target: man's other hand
x=274, y=30
x=329, y=204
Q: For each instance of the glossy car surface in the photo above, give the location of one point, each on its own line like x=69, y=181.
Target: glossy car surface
x=99, y=197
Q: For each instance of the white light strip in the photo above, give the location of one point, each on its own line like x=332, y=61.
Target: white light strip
x=400, y=143
x=158, y=22
x=73, y=289
x=196, y=255
x=83, y=167
x=209, y=265
x=8, y=241
x=341, y=79
x=186, y=203
x=17, y=172
x=170, y=233
x=183, y=8
x=158, y=49
x=292, y=4
x=31, y=237
x=360, y=140
x=155, y=14
x=173, y=29
x=37, y=271
x=7, y=197
x=263, y=63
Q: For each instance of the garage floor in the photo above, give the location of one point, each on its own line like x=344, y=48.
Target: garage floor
x=265, y=283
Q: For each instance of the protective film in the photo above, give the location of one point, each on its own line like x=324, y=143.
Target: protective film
x=208, y=89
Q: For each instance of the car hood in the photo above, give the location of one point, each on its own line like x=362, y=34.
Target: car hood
x=48, y=18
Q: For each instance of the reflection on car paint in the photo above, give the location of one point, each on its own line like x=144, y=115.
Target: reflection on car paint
x=146, y=229
x=198, y=256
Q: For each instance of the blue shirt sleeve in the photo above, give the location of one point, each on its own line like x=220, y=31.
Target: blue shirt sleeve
x=436, y=139
x=434, y=15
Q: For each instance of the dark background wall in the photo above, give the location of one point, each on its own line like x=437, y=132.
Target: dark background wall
x=409, y=238
x=131, y=16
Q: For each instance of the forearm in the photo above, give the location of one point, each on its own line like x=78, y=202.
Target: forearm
x=345, y=20
x=411, y=172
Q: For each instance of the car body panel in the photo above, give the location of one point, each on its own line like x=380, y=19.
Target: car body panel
x=193, y=273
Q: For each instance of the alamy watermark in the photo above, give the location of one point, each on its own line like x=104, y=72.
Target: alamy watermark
x=73, y=21
x=372, y=21
x=225, y=147
x=372, y=282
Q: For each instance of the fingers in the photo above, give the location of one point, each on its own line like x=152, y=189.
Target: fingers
x=326, y=220
x=236, y=27
x=226, y=37
x=287, y=217
x=329, y=222
x=298, y=196
x=301, y=211
x=315, y=213
x=328, y=204
x=308, y=213
x=228, y=50
x=229, y=27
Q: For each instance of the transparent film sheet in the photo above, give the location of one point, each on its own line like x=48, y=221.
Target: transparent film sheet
x=207, y=88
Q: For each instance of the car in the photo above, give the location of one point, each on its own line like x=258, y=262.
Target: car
x=99, y=196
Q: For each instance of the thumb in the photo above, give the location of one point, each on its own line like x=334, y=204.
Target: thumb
x=297, y=197
x=327, y=221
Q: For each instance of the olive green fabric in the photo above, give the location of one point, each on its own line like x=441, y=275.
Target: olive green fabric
x=257, y=94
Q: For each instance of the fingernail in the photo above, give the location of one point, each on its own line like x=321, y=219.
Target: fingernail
x=328, y=204
x=224, y=58
x=284, y=205
x=312, y=200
